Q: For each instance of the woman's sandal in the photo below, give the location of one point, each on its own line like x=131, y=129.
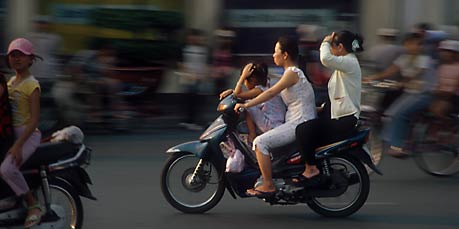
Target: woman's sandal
x=397, y=152
x=33, y=219
x=302, y=181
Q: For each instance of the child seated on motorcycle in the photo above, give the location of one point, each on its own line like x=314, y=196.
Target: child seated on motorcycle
x=447, y=89
x=24, y=95
x=267, y=115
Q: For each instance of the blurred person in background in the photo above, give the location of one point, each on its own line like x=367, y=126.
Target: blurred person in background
x=194, y=70
x=382, y=56
x=222, y=58
x=339, y=116
x=417, y=74
x=71, y=90
x=446, y=93
x=309, y=43
x=430, y=39
x=24, y=94
x=47, y=44
x=88, y=85
x=264, y=116
x=97, y=68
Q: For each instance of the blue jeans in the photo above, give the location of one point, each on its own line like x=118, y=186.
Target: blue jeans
x=401, y=113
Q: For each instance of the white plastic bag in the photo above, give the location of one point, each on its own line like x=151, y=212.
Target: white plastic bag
x=235, y=162
x=71, y=134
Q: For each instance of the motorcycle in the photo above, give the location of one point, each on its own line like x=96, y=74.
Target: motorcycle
x=56, y=174
x=193, y=179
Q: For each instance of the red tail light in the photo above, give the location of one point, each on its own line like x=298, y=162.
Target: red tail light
x=294, y=160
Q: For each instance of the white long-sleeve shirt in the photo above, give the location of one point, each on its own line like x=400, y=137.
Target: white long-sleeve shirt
x=345, y=84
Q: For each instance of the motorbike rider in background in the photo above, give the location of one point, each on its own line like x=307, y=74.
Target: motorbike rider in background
x=417, y=80
x=24, y=94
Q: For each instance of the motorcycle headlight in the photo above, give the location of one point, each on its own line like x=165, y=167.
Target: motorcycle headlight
x=221, y=107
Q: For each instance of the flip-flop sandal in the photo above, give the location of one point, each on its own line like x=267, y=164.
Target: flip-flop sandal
x=260, y=194
x=302, y=181
x=398, y=153
x=34, y=219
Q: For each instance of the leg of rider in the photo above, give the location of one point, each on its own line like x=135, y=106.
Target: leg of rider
x=251, y=126
x=279, y=136
x=307, y=138
x=11, y=172
x=264, y=161
x=401, y=118
x=9, y=169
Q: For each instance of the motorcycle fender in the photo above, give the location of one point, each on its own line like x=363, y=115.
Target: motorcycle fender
x=363, y=155
x=197, y=148
x=79, y=179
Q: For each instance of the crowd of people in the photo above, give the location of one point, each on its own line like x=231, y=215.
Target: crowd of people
x=426, y=67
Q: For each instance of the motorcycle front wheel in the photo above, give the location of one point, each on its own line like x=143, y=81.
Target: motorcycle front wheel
x=65, y=203
x=355, y=194
x=188, y=189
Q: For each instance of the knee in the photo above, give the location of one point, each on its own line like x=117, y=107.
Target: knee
x=4, y=170
x=7, y=170
x=258, y=145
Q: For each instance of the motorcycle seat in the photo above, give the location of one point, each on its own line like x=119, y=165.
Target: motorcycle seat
x=49, y=153
x=329, y=146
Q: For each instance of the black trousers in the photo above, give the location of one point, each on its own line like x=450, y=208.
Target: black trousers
x=322, y=131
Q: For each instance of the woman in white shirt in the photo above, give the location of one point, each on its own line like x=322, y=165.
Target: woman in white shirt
x=297, y=93
x=340, y=114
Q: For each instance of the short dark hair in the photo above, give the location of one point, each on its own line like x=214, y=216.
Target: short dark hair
x=290, y=46
x=411, y=37
x=347, y=38
x=34, y=59
x=260, y=73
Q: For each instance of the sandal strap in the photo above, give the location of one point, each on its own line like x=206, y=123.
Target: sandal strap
x=33, y=219
x=35, y=206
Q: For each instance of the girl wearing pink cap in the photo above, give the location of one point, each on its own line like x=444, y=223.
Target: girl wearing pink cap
x=24, y=96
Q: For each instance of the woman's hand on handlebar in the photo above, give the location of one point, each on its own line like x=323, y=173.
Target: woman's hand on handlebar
x=239, y=107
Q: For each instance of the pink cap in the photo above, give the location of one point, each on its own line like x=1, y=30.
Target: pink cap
x=21, y=44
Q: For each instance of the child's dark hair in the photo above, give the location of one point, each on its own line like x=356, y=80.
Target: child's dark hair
x=260, y=73
x=35, y=58
x=352, y=42
x=412, y=37
x=289, y=45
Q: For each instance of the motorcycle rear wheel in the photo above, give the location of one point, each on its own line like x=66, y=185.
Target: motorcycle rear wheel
x=184, y=195
x=337, y=206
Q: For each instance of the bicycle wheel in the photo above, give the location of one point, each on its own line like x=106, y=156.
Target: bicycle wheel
x=375, y=145
x=436, y=149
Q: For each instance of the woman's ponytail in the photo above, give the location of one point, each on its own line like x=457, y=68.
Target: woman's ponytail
x=352, y=42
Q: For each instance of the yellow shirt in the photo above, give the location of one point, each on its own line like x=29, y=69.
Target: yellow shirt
x=20, y=99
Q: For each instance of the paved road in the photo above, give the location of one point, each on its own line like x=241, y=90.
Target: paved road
x=126, y=170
